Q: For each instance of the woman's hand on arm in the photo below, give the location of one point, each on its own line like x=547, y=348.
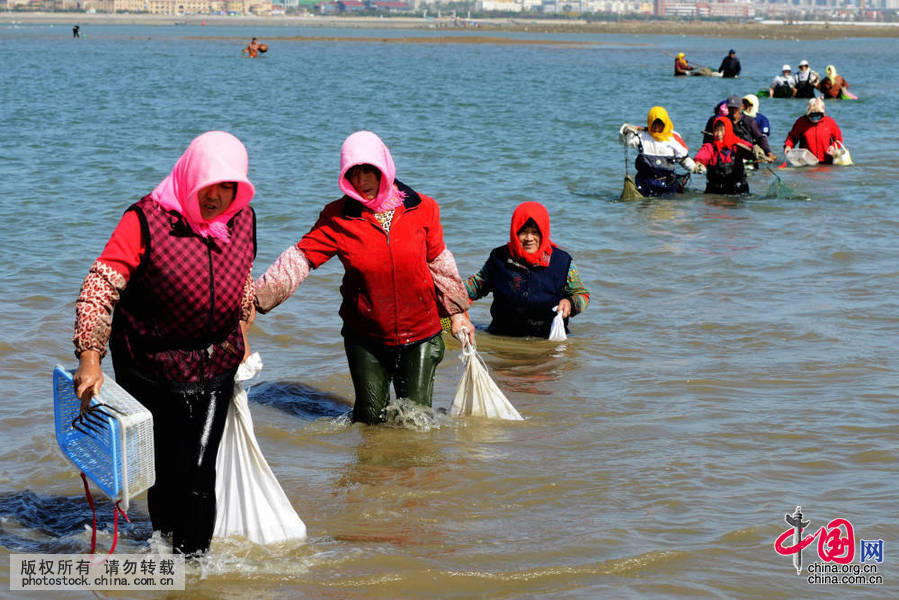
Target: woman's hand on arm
x=460, y=321
x=88, y=377
x=281, y=279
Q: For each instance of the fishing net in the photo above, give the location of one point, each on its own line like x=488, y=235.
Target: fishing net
x=778, y=188
x=629, y=192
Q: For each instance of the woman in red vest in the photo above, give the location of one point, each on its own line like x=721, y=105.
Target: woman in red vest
x=399, y=278
x=172, y=293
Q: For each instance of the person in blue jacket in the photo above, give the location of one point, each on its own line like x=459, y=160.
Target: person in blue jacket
x=529, y=277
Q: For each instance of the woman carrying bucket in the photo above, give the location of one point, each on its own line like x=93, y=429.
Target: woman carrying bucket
x=172, y=293
x=399, y=278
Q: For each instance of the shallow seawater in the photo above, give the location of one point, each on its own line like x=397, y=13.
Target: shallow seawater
x=738, y=357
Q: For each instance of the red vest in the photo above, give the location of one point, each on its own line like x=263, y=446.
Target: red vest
x=178, y=320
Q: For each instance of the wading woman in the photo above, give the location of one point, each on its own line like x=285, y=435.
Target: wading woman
x=172, y=293
x=528, y=277
x=399, y=278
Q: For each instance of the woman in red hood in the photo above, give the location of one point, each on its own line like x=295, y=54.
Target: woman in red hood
x=529, y=277
x=723, y=159
x=172, y=294
x=399, y=278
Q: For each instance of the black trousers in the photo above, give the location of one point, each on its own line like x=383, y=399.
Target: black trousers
x=373, y=366
x=187, y=429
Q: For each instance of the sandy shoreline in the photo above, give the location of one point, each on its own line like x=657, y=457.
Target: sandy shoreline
x=756, y=30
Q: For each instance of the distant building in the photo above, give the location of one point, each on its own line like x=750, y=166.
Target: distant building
x=351, y=5
x=390, y=6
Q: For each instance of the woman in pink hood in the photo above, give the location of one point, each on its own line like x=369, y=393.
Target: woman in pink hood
x=399, y=278
x=172, y=293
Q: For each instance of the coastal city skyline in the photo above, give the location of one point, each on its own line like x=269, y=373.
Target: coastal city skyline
x=837, y=10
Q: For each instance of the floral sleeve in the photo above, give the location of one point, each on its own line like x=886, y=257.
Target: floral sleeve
x=575, y=291
x=93, y=310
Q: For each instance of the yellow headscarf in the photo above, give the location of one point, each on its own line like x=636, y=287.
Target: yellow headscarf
x=831, y=73
x=680, y=54
x=657, y=113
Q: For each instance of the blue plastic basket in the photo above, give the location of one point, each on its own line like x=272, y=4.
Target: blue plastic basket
x=119, y=456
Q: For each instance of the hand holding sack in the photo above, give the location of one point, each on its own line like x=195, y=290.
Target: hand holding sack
x=557, y=329
x=840, y=154
x=250, y=501
x=477, y=394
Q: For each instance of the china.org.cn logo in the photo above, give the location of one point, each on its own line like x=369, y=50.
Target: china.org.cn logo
x=836, y=551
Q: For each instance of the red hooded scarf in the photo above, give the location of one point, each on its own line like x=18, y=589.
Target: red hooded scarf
x=730, y=138
x=538, y=213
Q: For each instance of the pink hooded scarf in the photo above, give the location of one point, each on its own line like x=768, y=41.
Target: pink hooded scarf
x=213, y=157
x=366, y=148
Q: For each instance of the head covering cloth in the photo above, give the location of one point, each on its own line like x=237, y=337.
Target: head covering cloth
x=366, y=148
x=753, y=109
x=657, y=113
x=523, y=213
x=730, y=139
x=211, y=158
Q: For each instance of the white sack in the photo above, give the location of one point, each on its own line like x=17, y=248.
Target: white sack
x=477, y=394
x=557, y=332
x=249, y=501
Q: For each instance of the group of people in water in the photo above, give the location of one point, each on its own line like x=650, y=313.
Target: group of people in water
x=730, y=66
x=807, y=82
x=735, y=135
x=172, y=295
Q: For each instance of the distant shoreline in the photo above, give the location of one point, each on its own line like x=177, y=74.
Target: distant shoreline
x=727, y=30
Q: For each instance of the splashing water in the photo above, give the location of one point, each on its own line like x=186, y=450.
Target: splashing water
x=405, y=414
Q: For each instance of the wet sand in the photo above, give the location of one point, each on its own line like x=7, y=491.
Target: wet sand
x=732, y=30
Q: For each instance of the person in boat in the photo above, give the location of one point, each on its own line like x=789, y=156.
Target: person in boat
x=529, y=277
x=744, y=127
x=805, y=81
x=681, y=67
x=172, y=295
x=399, y=278
x=730, y=65
x=252, y=49
x=833, y=84
x=751, y=108
x=722, y=160
x=816, y=132
x=783, y=86
x=660, y=150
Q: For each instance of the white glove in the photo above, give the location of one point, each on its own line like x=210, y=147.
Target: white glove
x=698, y=168
x=687, y=163
x=628, y=128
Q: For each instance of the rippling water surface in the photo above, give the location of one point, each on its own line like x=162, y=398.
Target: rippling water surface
x=737, y=358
